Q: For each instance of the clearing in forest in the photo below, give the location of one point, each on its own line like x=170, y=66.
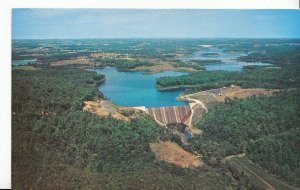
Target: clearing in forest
x=256, y=174
x=160, y=65
x=172, y=153
x=83, y=61
x=208, y=97
x=238, y=92
x=104, y=108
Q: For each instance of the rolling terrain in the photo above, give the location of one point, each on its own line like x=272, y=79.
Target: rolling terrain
x=244, y=125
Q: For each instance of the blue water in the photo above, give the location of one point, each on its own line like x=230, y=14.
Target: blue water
x=137, y=89
x=231, y=66
x=21, y=62
x=229, y=60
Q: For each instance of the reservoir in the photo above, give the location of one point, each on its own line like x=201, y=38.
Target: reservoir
x=136, y=88
x=229, y=59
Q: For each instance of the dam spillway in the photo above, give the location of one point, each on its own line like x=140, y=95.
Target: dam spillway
x=171, y=114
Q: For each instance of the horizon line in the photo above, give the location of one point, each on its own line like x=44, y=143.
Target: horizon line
x=128, y=38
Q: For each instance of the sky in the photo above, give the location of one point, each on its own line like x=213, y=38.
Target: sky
x=154, y=23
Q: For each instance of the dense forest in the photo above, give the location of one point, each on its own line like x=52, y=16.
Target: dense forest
x=265, y=128
x=262, y=77
x=122, y=64
x=70, y=149
x=195, y=64
x=192, y=65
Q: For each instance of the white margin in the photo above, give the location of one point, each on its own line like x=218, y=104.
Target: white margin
x=5, y=44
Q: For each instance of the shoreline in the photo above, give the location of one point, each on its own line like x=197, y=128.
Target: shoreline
x=177, y=87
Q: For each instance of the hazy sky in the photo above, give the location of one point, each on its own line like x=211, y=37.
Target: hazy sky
x=127, y=23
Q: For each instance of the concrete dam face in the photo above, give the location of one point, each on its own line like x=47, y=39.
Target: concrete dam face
x=171, y=115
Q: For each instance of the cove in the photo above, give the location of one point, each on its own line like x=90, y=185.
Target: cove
x=134, y=88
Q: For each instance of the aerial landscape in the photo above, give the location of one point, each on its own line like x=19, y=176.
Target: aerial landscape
x=146, y=108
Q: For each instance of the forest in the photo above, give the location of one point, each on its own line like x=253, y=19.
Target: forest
x=122, y=64
x=195, y=64
x=284, y=54
x=266, y=128
x=71, y=149
x=261, y=77
x=192, y=65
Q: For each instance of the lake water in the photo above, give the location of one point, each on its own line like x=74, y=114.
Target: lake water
x=137, y=89
x=229, y=59
x=21, y=62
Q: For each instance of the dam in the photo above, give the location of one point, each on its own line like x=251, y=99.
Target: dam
x=171, y=115
x=179, y=117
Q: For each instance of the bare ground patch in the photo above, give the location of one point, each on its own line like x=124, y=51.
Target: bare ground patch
x=209, y=97
x=205, y=97
x=238, y=92
x=172, y=153
x=104, y=108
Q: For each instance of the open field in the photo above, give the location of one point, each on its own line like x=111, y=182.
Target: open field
x=172, y=153
x=160, y=65
x=256, y=174
x=84, y=61
x=160, y=68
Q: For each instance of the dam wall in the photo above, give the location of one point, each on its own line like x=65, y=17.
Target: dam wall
x=171, y=114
